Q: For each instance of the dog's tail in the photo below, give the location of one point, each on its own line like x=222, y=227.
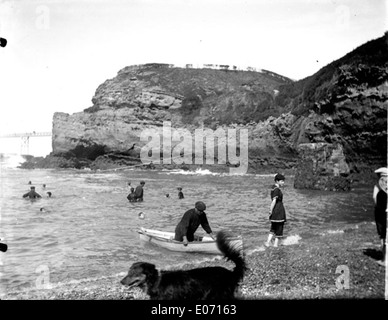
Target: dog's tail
x=232, y=248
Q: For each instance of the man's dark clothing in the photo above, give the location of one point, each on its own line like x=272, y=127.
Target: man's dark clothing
x=381, y=214
x=32, y=195
x=139, y=193
x=190, y=223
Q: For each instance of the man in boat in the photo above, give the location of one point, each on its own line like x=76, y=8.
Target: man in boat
x=139, y=192
x=190, y=222
x=32, y=194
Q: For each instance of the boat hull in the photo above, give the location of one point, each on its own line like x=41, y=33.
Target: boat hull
x=166, y=240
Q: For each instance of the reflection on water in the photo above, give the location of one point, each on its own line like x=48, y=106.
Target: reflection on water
x=89, y=228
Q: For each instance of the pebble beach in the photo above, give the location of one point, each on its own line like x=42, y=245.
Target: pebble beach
x=336, y=264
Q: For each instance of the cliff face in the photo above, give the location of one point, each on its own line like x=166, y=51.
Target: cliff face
x=322, y=166
x=143, y=97
x=344, y=104
x=347, y=103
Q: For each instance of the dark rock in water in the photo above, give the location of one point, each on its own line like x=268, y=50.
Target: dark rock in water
x=338, y=183
x=322, y=166
x=184, y=167
x=55, y=161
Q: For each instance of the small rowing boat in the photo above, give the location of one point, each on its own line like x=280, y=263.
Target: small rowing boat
x=166, y=240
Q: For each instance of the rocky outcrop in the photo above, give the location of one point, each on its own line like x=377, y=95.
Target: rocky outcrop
x=354, y=116
x=89, y=135
x=322, y=166
x=344, y=105
x=145, y=97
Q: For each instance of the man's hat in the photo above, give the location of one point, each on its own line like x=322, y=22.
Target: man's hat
x=200, y=206
x=279, y=177
x=383, y=171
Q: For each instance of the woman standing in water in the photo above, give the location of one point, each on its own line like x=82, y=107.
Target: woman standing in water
x=277, y=213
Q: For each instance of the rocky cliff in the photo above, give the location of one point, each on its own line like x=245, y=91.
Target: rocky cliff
x=344, y=104
x=347, y=103
x=146, y=96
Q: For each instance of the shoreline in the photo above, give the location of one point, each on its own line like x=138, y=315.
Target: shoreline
x=106, y=164
x=313, y=268
x=117, y=162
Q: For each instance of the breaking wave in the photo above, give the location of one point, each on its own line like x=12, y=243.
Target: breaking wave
x=11, y=160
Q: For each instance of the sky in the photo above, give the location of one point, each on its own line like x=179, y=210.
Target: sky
x=59, y=52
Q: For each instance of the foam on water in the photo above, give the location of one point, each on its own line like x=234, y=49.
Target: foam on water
x=254, y=250
x=207, y=172
x=199, y=171
x=334, y=231
x=291, y=240
x=340, y=230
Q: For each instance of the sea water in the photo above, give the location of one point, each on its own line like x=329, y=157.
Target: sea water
x=88, y=229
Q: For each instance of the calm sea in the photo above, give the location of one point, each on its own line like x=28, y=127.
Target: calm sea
x=88, y=228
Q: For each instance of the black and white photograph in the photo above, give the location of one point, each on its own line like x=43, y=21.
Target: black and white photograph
x=211, y=152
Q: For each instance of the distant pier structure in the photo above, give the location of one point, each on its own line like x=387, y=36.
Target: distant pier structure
x=25, y=139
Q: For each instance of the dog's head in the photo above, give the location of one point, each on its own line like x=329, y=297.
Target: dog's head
x=140, y=274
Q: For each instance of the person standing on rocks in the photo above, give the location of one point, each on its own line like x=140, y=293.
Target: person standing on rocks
x=380, y=200
x=277, y=213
